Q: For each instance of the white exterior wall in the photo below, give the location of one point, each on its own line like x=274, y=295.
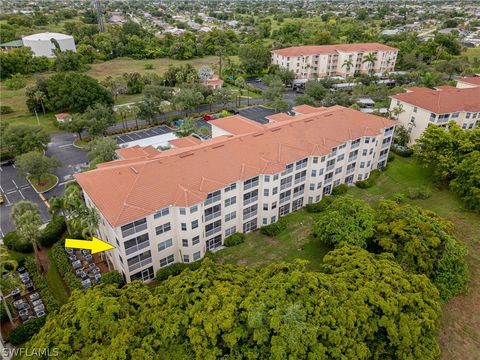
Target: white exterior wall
x=46, y=47
x=416, y=119
x=465, y=85
x=323, y=65
x=216, y=131
x=370, y=156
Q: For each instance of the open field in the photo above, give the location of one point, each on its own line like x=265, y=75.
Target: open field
x=473, y=53
x=295, y=242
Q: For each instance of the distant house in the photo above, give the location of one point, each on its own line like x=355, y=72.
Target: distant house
x=214, y=82
x=63, y=117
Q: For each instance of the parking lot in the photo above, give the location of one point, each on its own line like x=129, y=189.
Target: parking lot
x=142, y=134
x=15, y=188
x=257, y=113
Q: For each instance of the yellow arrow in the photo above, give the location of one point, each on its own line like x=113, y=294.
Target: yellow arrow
x=95, y=245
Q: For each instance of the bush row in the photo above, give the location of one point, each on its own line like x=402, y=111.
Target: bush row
x=319, y=206
x=234, y=239
x=275, y=228
x=25, y=331
x=13, y=241
x=368, y=183
x=59, y=257
x=41, y=284
x=53, y=231
x=3, y=313
x=340, y=189
x=114, y=278
x=175, y=269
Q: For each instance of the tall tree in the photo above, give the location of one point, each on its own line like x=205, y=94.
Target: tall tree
x=36, y=165
x=26, y=217
x=20, y=139
x=101, y=149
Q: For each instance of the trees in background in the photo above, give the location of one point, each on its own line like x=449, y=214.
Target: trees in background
x=98, y=119
x=22, y=61
x=254, y=58
x=453, y=155
x=101, y=149
x=20, y=139
x=187, y=99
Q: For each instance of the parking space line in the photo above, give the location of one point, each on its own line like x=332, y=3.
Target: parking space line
x=20, y=192
x=66, y=145
x=14, y=183
x=129, y=137
x=6, y=198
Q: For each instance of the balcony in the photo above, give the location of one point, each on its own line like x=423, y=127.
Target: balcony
x=300, y=179
x=352, y=158
x=250, y=200
x=212, y=215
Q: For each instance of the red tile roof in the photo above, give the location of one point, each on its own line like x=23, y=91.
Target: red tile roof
x=444, y=100
x=126, y=190
x=136, y=152
x=279, y=117
x=332, y=49
x=237, y=124
x=307, y=109
x=185, y=141
x=473, y=80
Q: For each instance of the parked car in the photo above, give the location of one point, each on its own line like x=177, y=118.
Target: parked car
x=233, y=111
x=208, y=117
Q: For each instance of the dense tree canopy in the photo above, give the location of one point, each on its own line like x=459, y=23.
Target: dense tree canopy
x=281, y=311
x=20, y=139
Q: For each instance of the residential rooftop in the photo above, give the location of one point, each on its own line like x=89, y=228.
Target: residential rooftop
x=332, y=49
x=129, y=189
x=443, y=99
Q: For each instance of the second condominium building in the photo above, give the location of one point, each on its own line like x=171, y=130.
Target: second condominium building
x=158, y=208
x=310, y=62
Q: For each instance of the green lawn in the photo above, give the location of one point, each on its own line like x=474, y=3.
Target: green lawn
x=295, y=242
x=56, y=284
x=46, y=182
x=473, y=53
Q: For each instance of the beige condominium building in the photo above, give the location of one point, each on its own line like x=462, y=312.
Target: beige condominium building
x=312, y=61
x=419, y=107
x=158, y=208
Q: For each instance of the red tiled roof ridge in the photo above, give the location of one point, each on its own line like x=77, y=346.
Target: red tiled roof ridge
x=332, y=48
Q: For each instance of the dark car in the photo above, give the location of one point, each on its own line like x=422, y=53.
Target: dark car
x=233, y=111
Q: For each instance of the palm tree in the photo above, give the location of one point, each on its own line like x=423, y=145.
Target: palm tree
x=123, y=112
x=348, y=64
x=39, y=96
x=135, y=110
x=371, y=59
x=26, y=217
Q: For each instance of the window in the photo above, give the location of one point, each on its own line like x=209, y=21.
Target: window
x=265, y=207
x=274, y=205
x=212, y=212
x=250, y=197
x=455, y=115
x=165, y=244
x=355, y=143
x=328, y=177
x=297, y=204
x=330, y=164
x=183, y=226
x=143, y=275
x=186, y=258
x=367, y=140
x=315, y=160
x=341, y=157
x=274, y=191
x=284, y=210
x=196, y=240
x=314, y=173
x=193, y=209
x=231, y=187
x=230, y=216
x=353, y=155
x=194, y=224
x=310, y=199
x=288, y=169
x=250, y=225
x=264, y=221
x=362, y=165
x=273, y=219
x=213, y=228
x=230, y=231
x=167, y=261
x=267, y=178
x=299, y=190
x=265, y=192
x=415, y=109
x=285, y=183
x=160, y=213
x=134, y=227
x=137, y=243
x=285, y=196
x=214, y=243
x=162, y=228
x=338, y=170
x=248, y=184
x=139, y=260
x=301, y=164
x=301, y=176
x=230, y=201
x=196, y=256
x=250, y=212
x=213, y=197
x=185, y=242
x=360, y=177
x=183, y=211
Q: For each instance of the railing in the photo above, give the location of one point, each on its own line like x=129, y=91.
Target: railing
x=212, y=215
x=250, y=200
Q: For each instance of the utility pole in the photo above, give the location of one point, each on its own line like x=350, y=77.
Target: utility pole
x=101, y=24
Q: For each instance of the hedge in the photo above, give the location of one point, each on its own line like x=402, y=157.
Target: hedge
x=60, y=258
x=234, y=239
x=175, y=269
x=25, y=331
x=365, y=184
x=319, y=206
x=13, y=241
x=53, y=231
x=41, y=284
x=275, y=228
x=402, y=151
x=3, y=313
x=113, y=277
x=418, y=193
x=340, y=189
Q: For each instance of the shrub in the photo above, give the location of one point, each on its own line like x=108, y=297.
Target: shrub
x=16, y=82
x=60, y=258
x=4, y=109
x=399, y=198
x=368, y=183
x=25, y=331
x=402, y=151
x=148, y=66
x=319, y=206
x=41, y=284
x=175, y=269
x=53, y=231
x=114, y=278
x=391, y=157
x=13, y=241
x=340, y=189
x=274, y=229
x=234, y=239
x=3, y=313
x=421, y=193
